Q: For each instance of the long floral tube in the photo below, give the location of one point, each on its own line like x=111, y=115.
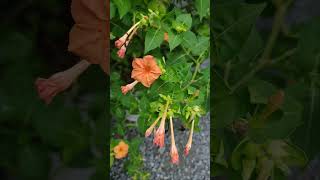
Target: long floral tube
x=150, y=129
x=48, y=88
x=174, y=152
x=159, y=137
x=189, y=143
x=121, y=41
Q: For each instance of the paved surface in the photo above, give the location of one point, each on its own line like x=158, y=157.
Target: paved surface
x=157, y=161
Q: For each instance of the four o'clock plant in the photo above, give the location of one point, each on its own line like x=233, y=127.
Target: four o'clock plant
x=160, y=75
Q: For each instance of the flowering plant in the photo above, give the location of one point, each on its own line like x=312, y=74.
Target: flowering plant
x=266, y=79
x=164, y=48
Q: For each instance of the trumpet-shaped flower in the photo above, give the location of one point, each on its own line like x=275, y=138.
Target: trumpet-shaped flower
x=174, y=152
x=121, y=52
x=48, y=88
x=121, y=41
x=159, y=137
x=124, y=41
x=150, y=129
x=189, y=143
x=125, y=89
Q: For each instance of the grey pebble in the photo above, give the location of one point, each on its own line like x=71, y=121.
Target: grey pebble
x=196, y=166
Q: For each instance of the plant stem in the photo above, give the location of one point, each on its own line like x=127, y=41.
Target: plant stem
x=197, y=68
x=313, y=91
x=284, y=56
x=265, y=57
x=188, y=53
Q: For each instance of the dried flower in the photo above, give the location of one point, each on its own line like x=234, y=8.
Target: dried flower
x=48, y=88
x=188, y=145
x=121, y=150
x=174, y=152
x=150, y=129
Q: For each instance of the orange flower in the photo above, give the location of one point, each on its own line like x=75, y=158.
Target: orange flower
x=150, y=129
x=166, y=37
x=188, y=145
x=121, y=150
x=174, y=152
x=145, y=70
x=48, y=88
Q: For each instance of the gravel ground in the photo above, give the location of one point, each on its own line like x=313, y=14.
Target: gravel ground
x=157, y=161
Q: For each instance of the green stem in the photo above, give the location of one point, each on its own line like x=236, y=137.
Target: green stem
x=313, y=91
x=265, y=57
x=188, y=53
x=193, y=76
x=284, y=56
x=196, y=70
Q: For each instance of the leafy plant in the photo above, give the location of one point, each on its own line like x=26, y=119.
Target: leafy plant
x=175, y=40
x=265, y=91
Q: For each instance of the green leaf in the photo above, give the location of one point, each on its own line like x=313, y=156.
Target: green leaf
x=112, y=10
x=220, y=157
x=231, y=30
x=291, y=119
x=308, y=46
x=202, y=7
x=154, y=38
x=248, y=167
x=189, y=39
x=260, y=91
x=237, y=154
x=174, y=40
x=226, y=111
x=33, y=162
x=123, y=6
x=201, y=46
x=185, y=19
x=8, y=47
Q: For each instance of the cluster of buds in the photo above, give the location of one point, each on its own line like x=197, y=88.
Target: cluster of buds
x=159, y=135
x=160, y=132
x=124, y=41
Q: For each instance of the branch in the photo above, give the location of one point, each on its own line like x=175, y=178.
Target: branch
x=265, y=57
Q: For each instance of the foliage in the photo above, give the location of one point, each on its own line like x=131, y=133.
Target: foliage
x=73, y=127
x=184, y=79
x=266, y=91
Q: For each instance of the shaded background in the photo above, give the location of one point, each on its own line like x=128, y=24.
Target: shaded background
x=299, y=15
x=67, y=138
